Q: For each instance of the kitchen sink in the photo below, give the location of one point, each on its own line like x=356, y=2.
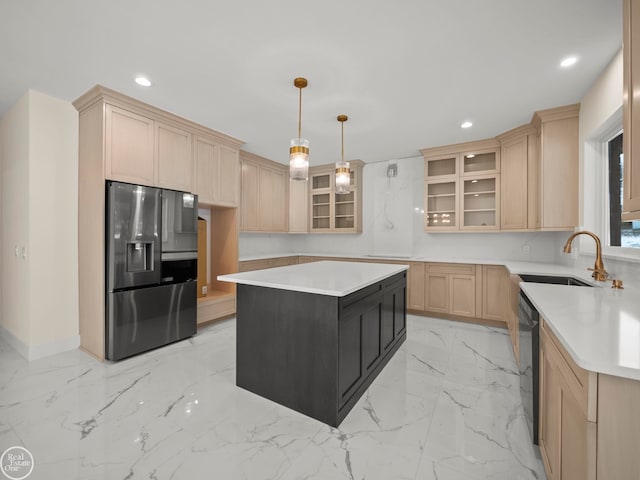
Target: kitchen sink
x=556, y=280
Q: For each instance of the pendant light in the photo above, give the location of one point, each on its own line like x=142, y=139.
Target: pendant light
x=299, y=147
x=343, y=173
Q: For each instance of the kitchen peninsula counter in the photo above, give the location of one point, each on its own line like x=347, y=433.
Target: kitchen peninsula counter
x=312, y=337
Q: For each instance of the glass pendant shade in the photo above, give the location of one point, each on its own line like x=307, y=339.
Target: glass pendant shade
x=343, y=178
x=299, y=147
x=299, y=159
x=343, y=172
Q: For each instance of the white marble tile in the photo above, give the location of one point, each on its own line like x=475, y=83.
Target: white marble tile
x=446, y=407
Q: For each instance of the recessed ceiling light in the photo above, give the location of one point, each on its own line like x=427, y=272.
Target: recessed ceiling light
x=471, y=155
x=569, y=61
x=466, y=124
x=143, y=81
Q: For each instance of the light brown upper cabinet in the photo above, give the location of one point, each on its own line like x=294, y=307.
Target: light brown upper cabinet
x=631, y=106
x=142, y=150
x=217, y=173
x=174, y=164
x=264, y=194
x=516, y=148
x=129, y=148
x=148, y=146
x=462, y=187
x=330, y=212
x=298, y=206
x=557, y=168
x=524, y=179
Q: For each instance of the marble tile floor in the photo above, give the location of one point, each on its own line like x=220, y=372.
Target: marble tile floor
x=446, y=407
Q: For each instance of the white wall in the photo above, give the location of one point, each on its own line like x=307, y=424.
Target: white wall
x=53, y=219
x=40, y=217
x=404, y=199
x=600, y=113
x=14, y=145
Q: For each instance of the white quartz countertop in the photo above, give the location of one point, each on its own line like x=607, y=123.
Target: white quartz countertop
x=336, y=279
x=599, y=327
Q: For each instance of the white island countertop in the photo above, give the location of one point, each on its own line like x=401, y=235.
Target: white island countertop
x=335, y=279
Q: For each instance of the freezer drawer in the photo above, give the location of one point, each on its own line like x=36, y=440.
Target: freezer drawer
x=146, y=318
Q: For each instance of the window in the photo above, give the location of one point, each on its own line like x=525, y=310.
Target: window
x=621, y=234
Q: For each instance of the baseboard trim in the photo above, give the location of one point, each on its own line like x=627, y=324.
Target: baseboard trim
x=35, y=352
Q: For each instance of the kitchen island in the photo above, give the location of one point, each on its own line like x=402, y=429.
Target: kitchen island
x=313, y=337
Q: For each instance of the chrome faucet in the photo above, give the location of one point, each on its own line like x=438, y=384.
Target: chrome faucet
x=599, y=273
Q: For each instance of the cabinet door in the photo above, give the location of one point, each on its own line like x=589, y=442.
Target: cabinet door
x=393, y=315
x=128, y=146
x=550, y=410
x=479, y=162
x=445, y=166
x=463, y=295
x=278, y=202
x=437, y=292
x=574, y=452
x=416, y=286
x=205, y=166
x=174, y=167
x=513, y=185
x=631, y=105
x=559, y=182
x=321, y=207
x=441, y=205
x=298, y=206
x=344, y=209
x=228, y=177
x=480, y=203
x=250, y=201
x=372, y=337
x=400, y=310
x=495, y=292
x=265, y=198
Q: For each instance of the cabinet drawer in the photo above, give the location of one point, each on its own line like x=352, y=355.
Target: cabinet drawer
x=453, y=268
x=582, y=383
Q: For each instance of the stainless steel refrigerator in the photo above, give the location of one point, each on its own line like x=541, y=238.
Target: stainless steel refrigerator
x=150, y=294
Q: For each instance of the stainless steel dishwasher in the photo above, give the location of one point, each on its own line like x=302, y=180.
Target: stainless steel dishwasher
x=529, y=347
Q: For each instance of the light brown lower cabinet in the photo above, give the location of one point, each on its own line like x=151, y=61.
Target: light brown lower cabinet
x=457, y=290
x=589, y=422
x=415, y=286
x=495, y=292
x=567, y=437
x=450, y=289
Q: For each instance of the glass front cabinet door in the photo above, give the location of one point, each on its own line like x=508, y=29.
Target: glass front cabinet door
x=332, y=212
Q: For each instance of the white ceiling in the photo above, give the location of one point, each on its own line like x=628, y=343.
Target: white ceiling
x=407, y=73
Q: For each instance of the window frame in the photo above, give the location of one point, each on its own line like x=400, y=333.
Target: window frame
x=596, y=154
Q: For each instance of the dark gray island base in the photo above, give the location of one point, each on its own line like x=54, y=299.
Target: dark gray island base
x=317, y=354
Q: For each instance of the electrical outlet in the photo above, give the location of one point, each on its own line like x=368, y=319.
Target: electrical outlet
x=526, y=250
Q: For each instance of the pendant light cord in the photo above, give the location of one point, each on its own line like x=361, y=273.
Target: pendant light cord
x=342, y=124
x=300, y=114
